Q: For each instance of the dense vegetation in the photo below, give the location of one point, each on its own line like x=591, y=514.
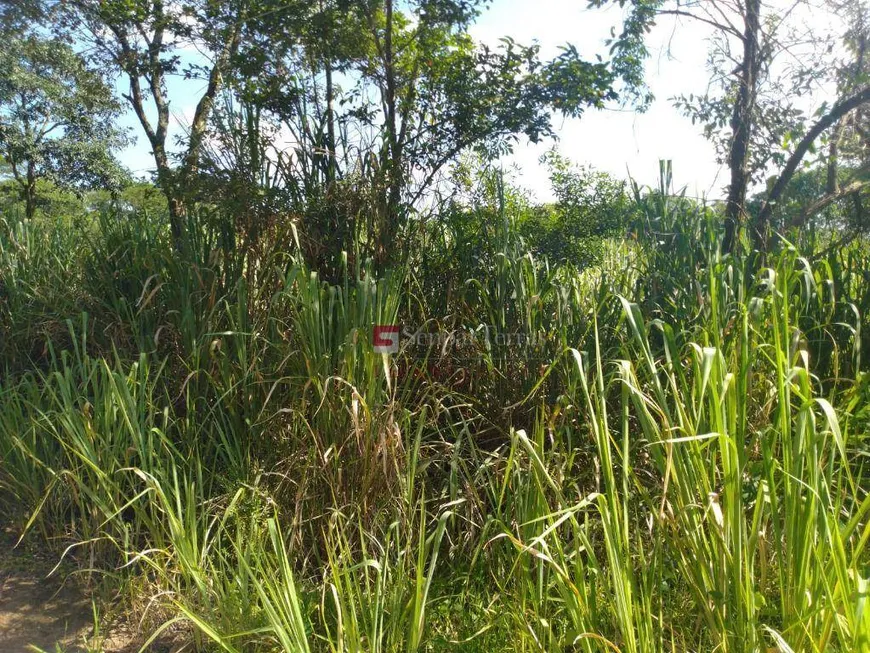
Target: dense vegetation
x=624, y=420
x=676, y=463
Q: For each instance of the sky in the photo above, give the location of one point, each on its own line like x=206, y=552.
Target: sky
x=619, y=141
x=622, y=142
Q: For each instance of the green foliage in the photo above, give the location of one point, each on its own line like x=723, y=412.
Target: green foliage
x=136, y=198
x=806, y=187
x=490, y=217
x=381, y=99
x=599, y=432
x=676, y=464
x=50, y=202
x=56, y=118
x=628, y=49
x=590, y=206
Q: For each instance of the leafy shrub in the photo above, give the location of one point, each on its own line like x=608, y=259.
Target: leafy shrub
x=590, y=205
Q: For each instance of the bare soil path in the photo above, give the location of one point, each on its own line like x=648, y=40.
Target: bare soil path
x=36, y=609
x=41, y=612
x=52, y=613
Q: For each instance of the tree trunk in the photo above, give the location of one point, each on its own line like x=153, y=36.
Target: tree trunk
x=176, y=216
x=741, y=127
x=852, y=189
x=201, y=114
x=30, y=192
x=330, y=126
x=27, y=182
x=393, y=160
x=29, y=202
x=168, y=183
x=832, y=183
x=858, y=204
x=175, y=184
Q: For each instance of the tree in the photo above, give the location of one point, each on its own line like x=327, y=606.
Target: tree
x=825, y=122
x=143, y=40
x=736, y=107
x=440, y=94
x=750, y=108
x=56, y=118
x=763, y=58
x=742, y=119
x=590, y=206
x=387, y=98
x=847, y=165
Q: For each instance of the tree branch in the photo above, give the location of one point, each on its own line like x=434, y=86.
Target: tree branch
x=203, y=107
x=829, y=199
x=728, y=29
x=838, y=111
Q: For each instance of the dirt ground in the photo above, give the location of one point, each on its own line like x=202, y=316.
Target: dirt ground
x=48, y=612
x=41, y=612
x=52, y=613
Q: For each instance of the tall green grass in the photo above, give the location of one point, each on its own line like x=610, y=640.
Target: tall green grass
x=676, y=465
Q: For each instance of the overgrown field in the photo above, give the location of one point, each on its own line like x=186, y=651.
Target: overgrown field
x=669, y=454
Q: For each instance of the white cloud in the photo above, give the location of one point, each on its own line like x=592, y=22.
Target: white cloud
x=618, y=141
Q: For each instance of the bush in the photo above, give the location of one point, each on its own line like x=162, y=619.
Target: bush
x=590, y=206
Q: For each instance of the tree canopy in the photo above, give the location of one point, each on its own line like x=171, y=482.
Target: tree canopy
x=58, y=118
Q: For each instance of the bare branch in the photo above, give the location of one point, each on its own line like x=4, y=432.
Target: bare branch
x=729, y=29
